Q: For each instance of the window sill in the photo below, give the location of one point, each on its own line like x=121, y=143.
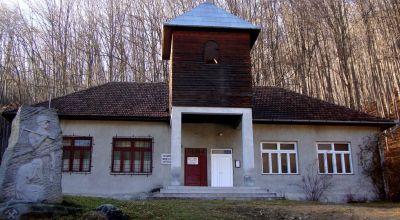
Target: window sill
x=75, y=172
x=336, y=174
x=291, y=174
x=131, y=174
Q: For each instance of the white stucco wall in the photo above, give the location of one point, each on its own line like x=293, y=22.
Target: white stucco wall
x=306, y=137
x=100, y=181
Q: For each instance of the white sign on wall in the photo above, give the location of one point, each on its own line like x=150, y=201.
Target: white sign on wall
x=165, y=158
x=192, y=160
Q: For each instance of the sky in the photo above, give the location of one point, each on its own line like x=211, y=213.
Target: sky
x=10, y=2
x=14, y=3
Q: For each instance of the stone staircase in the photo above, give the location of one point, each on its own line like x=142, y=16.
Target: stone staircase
x=216, y=193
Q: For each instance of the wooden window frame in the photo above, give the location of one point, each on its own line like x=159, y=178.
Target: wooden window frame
x=334, y=153
x=279, y=153
x=132, y=149
x=81, y=149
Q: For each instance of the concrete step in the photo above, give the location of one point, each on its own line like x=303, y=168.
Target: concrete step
x=208, y=187
x=216, y=193
x=210, y=190
x=218, y=196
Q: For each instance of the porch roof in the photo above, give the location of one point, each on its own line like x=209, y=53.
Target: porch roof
x=149, y=101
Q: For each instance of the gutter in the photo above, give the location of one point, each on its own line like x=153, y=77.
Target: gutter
x=113, y=118
x=10, y=116
x=370, y=123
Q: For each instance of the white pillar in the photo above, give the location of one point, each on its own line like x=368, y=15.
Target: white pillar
x=248, y=148
x=176, y=135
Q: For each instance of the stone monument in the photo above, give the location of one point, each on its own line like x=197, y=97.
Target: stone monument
x=31, y=167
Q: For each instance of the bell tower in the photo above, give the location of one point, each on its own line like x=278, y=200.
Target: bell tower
x=209, y=53
x=210, y=78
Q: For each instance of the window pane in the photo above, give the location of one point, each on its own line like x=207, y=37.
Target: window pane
x=117, y=161
x=330, y=163
x=287, y=146
x=324, y=147
x=122, y=143
x=127, y=162
x=86, y=161
x=347, y=163
x=142, y=144
x=265, y=163
x=339, y=163
x=147, y=162
x=67, y=142
x=136, y=162
x=269, y=146
x=221, y=151
x=76, y=161
x=274, y=158
x=341, y=147
x=139, y=157
x=66, y=156
x=82, y=143
x=284, y=165
x=293, y=164
x=321, y=163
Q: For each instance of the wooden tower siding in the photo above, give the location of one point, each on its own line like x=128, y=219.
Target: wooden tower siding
x=5, y=130
x=196, y=83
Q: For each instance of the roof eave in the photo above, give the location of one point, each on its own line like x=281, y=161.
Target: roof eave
x=115, y=118
x=169, y=28
x=11, y=114
x=381, y=124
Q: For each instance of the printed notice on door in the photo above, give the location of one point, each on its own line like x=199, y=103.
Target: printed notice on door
x=192, y=160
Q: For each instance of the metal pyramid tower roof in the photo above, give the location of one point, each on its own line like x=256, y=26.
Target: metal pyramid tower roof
x=206, y=16
x=209, y=15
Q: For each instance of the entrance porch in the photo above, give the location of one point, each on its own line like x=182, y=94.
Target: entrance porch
x=212, y=147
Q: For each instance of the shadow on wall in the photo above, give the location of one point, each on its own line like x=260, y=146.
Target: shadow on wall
x=5, y=130
x=392, y=164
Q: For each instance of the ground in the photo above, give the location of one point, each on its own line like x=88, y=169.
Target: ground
x=202, y=209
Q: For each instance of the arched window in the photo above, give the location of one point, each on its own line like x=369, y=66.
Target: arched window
x=211, y=52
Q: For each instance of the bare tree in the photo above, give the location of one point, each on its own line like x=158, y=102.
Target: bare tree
x=313, y=184
x=346, y=52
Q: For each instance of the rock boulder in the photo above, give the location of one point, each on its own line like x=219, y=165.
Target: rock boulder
x=31, y=167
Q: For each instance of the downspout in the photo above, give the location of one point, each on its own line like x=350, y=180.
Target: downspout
x=382, y=157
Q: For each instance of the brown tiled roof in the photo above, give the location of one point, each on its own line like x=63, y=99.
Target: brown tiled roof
x=115, y=100
x=8, y=107
x=277, y=104
x=149, y=101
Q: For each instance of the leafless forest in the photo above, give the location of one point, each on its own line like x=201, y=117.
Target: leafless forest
x=343, y=51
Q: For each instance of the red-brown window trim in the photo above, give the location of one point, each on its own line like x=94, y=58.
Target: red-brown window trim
x=81, y=149
x=132, y=149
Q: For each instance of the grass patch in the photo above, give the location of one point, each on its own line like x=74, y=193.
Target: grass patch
x=203, y=209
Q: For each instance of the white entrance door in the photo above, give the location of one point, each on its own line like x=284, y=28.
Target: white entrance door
x=221, y=168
